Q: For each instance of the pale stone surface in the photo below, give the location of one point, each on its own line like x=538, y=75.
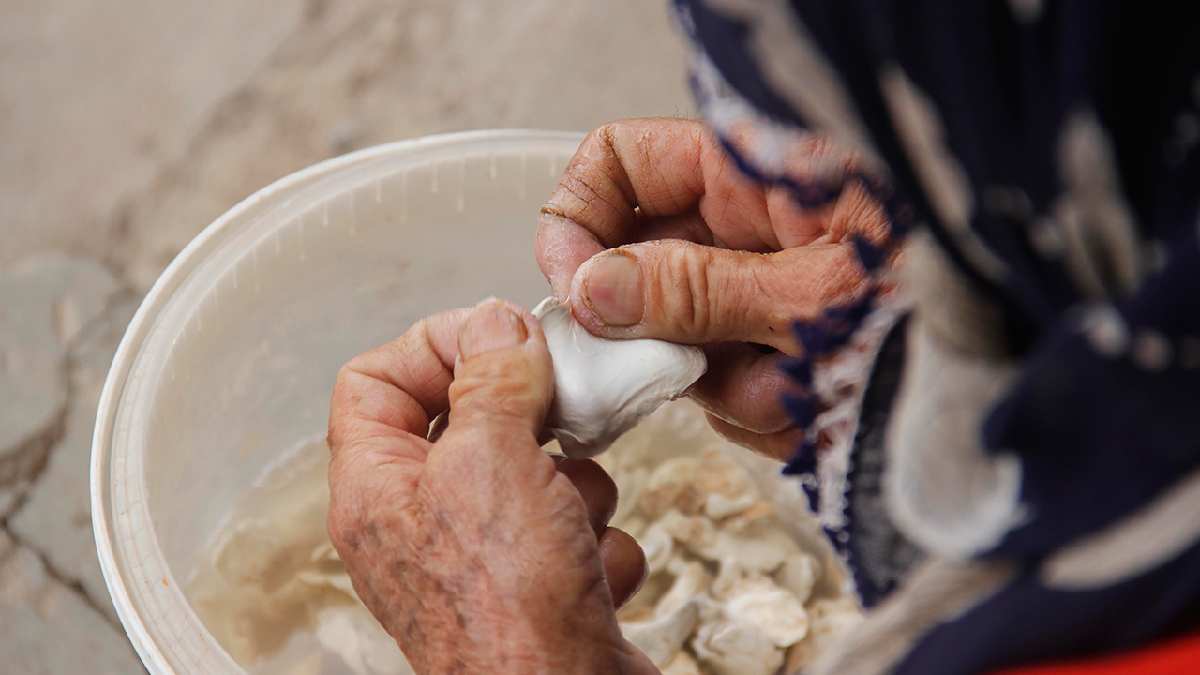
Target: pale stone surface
x=363, y=73
x=46, y=301
x=48, y=629
x=56, y=519
x=98, y=95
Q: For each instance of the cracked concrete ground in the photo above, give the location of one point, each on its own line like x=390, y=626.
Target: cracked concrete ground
x=130, y=126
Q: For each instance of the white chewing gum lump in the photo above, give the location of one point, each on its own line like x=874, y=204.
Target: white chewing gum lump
x=604, y=387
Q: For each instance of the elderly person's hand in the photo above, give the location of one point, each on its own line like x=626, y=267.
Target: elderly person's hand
x=478, y=553
x=723, y=262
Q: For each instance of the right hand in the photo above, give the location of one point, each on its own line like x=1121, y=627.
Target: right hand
x=477, y=552
x=654, y=232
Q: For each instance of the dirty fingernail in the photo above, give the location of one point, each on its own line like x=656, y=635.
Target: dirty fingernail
x=490, y=326
x=613, y=289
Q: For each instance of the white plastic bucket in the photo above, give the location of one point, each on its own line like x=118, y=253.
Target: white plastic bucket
x=230, y=359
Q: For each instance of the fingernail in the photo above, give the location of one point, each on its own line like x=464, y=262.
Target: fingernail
x=613, y=289
x=490, y=326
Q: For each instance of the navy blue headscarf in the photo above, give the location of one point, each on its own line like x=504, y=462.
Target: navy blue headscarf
x=1020, y=478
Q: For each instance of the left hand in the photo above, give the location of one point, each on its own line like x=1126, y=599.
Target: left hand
x=653, y=232
x=478, y=552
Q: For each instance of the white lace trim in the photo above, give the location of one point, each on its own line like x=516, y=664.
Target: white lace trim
x=841, y=381
x=776, y=150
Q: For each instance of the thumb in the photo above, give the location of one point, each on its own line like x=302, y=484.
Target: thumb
x=685, y=292
x=503, y=380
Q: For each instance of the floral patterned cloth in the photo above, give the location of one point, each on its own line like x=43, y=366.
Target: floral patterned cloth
x=1014, y=475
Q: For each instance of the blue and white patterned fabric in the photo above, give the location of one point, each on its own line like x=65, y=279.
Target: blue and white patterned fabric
x=1016, y=475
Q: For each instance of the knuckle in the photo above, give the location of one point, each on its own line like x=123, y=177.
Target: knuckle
x=685, y=289
x=590, y=189
x=600, y=136
x=844, y=276
x=858, y=212
x=804, y=286
x=603, y=137
x=498, y=387
x=714, y=294
x=599, y=146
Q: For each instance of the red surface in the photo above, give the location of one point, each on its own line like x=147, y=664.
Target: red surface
x=1180, y=656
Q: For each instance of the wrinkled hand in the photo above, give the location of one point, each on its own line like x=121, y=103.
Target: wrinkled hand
x=698, y=253
x=478, y=552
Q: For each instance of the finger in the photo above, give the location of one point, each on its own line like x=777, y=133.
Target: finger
x=393, y=391
x=597, y=488
x=743, y=386
x=502, y=381
x=631, y=173
x=649, y=165
x=854, y=212
x=685, y=292
x=780, y=445
x=686, y=226
x=561, y=246
x=624, y=564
